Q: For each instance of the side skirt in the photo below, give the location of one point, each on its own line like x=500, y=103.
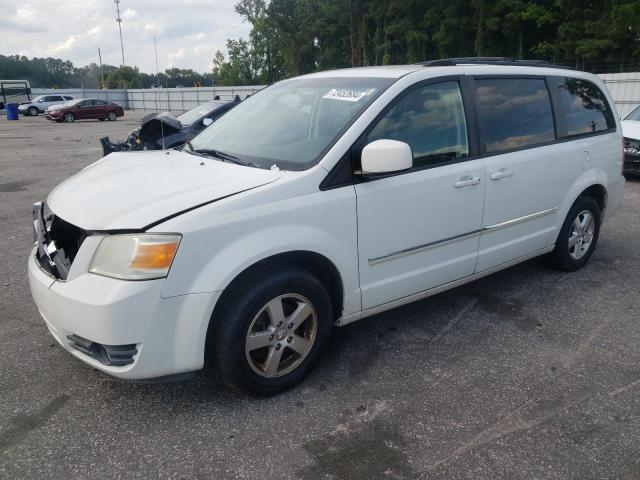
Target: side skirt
x=435, y=290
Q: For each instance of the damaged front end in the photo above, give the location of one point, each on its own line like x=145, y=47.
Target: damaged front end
x=156, y=132
x=57, y=242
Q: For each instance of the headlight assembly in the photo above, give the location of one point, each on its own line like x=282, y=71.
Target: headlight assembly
x=135, y=256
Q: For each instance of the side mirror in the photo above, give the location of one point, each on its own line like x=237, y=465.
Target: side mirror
x=207, y=121
x=386, y=156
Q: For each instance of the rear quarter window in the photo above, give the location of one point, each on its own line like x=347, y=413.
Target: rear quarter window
x=585, y=107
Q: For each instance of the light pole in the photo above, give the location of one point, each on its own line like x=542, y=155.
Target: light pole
x=155, y=49
x=101, y=70
x=119, y=20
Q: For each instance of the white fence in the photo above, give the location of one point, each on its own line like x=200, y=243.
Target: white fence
x=624, y=87
x=157, y=99
x=625, y=90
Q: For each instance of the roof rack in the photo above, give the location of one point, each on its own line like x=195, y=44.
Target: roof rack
x=449, y=62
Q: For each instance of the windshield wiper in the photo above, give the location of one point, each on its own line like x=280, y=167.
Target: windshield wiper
x=219, y=154
x=210, y=152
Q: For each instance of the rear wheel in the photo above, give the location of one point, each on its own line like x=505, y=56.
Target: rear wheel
x=69, y=117
x=268, y=337
x=111, y=116
x=578, y=236
x=33, y=111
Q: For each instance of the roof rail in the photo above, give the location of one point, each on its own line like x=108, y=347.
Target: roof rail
x=448, y=62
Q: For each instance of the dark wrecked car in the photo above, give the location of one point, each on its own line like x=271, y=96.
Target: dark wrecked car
x=159, y=131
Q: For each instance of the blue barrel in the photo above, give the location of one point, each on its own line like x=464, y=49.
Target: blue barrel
x=12, y=111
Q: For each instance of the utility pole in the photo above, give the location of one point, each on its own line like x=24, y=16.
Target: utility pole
x=155, y=48
x=119, y=20
x=101, y=70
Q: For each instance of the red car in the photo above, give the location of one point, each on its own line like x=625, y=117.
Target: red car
x=82, y=109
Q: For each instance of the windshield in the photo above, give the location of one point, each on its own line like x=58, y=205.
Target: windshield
x=634, y=115
x=195, y=114
x=291, y=123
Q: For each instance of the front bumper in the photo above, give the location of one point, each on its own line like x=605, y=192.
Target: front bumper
x=53, y=115
x=168, y=333
x=631, y=165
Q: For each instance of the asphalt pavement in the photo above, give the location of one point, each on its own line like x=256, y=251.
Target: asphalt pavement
x=528, y=373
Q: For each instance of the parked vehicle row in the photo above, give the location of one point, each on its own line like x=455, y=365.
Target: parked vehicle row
x=319, y=201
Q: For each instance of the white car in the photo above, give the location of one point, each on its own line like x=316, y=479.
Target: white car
x=40, y=104
x=631, y=132
x=319, y=201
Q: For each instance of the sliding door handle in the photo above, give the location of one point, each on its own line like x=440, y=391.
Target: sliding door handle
x=502, y=173
x=467, y=181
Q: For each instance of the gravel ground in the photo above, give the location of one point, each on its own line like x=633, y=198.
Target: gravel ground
x=529, y=373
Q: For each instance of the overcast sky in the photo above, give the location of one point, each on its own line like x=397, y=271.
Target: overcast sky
x=188, y=31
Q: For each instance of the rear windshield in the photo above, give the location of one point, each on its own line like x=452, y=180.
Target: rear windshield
x=195, y=114
x=291, y=123
x=634, y=115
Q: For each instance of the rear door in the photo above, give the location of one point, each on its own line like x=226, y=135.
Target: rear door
x=522, y=165
x=420, y=228
x=99, y=109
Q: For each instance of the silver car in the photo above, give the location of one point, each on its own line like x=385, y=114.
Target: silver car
x=40, y=103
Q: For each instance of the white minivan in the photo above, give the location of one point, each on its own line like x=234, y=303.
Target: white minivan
x=319, y=201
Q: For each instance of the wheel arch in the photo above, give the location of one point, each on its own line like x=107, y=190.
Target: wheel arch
x=317, y=264
x=592, y=183
x=598, y=192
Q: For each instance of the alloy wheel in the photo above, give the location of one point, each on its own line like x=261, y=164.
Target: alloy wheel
x=281, y=335
x=581, y=234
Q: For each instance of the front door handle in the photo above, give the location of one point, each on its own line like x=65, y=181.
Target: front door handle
x=502, y=173
x=467, y=181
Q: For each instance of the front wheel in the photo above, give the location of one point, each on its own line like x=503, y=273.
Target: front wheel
x=271, y=329
x=111, y=116
x=578, y=236
x=69, y=117
x=33, y=111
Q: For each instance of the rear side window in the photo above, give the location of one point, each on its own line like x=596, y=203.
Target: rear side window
x=66, y=97
x=585, y=107
x=431, y=120
x=514, y=112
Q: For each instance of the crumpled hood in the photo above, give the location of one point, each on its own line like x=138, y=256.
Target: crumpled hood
x=165, y=118
x=631, y=129
x=130, y=190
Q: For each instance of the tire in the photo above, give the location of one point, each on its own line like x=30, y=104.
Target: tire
x=101, y=119
x=251, y=309
x=69, y=117
x=573, y=248
x=111, y=116
x=33, y=111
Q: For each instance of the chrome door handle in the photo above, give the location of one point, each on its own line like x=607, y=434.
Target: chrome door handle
x=467, y=181
x=502, y=173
